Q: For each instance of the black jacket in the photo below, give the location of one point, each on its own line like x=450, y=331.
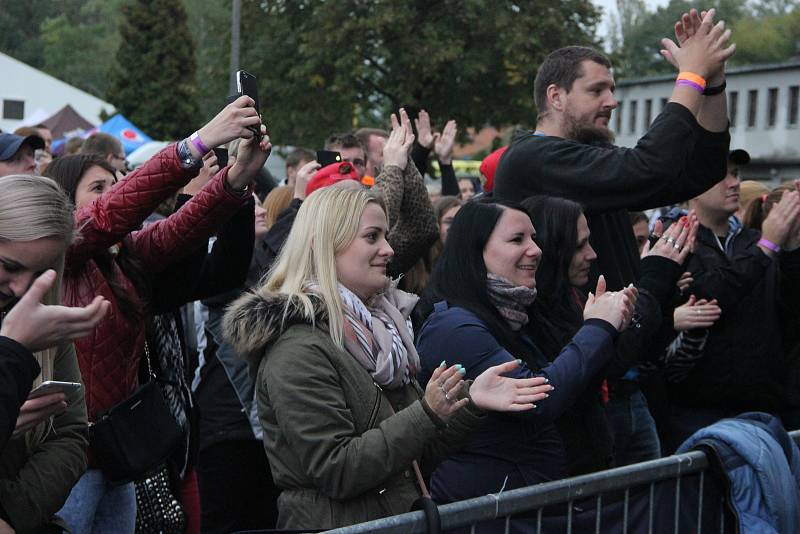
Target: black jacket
x=744, y=366
x=18, y=369
x=674, y=161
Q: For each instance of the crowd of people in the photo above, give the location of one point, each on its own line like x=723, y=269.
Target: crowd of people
x=327, y=351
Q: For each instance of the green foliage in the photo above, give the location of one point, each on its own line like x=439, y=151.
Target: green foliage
x=91, y=28
x=770, y=39
x=326, y=66
x=639, y=55
x=153, y=82
x=210, y=23
x=19, y=28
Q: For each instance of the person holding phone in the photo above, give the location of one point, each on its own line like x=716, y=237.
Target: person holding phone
x=117, y=259
x=43, y=439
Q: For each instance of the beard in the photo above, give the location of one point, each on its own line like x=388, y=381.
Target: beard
x=586, y=133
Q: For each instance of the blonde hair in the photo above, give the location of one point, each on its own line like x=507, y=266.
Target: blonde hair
x=277, y=200
x=326, y=223
x=31, y=208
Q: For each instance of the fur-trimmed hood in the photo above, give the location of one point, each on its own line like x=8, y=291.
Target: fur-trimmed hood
x=255, y=321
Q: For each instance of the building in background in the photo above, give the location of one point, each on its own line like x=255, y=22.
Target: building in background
x=763, y=102
x=28, y=96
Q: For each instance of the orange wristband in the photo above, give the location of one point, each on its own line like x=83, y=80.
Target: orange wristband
x=692, y=77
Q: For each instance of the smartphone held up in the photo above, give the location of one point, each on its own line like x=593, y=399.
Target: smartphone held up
x=247, y=84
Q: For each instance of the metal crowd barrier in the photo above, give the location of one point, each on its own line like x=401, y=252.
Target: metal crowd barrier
x=675, y=494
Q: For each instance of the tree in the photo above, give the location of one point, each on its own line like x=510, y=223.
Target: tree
x=91, y=27
x=19, y=28
x=153, y=81
x=325, y=66
x=769, y=39
x=639, y=54
x=210, y=21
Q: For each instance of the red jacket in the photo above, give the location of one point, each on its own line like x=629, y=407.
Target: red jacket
x=109, y=357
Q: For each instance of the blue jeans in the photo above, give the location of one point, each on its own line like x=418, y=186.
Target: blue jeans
x=95, y=506
x=635, y=436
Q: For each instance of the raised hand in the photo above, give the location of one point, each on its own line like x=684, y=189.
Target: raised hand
x=498, y=393
x=250, y=158
x=304, y=174
x=444, y=143
x=678, y=241
x=37, y=326
x=231, y=123
x=695, y=314
x=781, y=221
x=401, y=138
x=704, y=49
x=425, y=135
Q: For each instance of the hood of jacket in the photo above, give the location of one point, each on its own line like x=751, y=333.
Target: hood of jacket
x=256, y=320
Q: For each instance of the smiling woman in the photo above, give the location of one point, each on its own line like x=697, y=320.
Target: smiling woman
x=485, y=283
x=329, y=339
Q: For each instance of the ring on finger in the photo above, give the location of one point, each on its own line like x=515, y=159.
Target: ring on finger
x=676, y=246
x=670, y=240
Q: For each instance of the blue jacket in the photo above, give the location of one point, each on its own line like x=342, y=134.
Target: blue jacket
x=763, y=465
x=511, y=450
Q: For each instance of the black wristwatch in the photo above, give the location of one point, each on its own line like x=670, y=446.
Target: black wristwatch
x=188, y=161
x=717, y=89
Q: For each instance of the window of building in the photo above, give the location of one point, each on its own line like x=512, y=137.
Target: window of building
x=772, y=107
x=14, y=109
x=733, y=107
x=752, y=103
x=794, y=96
x=618, y=118
x=632, y=117
x=648, y=112
x=664, y=103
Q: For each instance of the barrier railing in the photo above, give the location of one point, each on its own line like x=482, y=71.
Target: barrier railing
x=674, y=494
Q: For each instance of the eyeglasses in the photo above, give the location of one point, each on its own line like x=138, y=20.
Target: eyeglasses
x=357, y=162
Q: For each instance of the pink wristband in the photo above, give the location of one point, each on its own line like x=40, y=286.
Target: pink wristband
x=688, y=83
x=198, y=144
x=769, y=244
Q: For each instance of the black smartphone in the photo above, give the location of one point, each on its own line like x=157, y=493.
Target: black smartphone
x=246, y=84
x=222, y=156
x=328, y=157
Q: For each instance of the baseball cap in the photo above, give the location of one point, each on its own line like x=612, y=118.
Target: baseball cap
x=10, y=143
x=739, y=157
x=330, y=174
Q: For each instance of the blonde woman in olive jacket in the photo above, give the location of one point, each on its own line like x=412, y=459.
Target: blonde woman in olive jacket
x=328, y=339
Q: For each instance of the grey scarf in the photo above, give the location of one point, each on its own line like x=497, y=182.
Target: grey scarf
x=510, y=300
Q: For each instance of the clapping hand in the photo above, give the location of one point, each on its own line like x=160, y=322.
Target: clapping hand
x=677, y=242
x=425, y=135
x=614, y=307
x=398, y=146
x=696, y=314
x=702, y=45
x=495, y=392
x=444, y=143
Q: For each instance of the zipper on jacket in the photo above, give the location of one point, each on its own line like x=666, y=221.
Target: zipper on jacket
x=375, y=408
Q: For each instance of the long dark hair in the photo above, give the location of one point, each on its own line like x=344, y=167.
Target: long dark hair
x=67, y=171
x=460, y=274
x=556, y=314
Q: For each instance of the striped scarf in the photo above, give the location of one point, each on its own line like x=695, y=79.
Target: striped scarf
x=379, y=335
x=511, y=301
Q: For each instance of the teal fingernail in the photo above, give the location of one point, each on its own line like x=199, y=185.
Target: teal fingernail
x=534, y=406
x=519, y=362
x=458, y=366
x=442, y=364
x=462, y=371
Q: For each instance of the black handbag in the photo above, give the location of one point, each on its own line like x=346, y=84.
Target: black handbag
x=134, y=438
x=157, y=507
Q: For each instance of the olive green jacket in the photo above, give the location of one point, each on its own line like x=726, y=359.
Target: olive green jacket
x=39, y=468
x=340, y=447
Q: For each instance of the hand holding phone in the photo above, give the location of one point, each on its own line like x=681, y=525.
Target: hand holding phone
x=246, y=84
